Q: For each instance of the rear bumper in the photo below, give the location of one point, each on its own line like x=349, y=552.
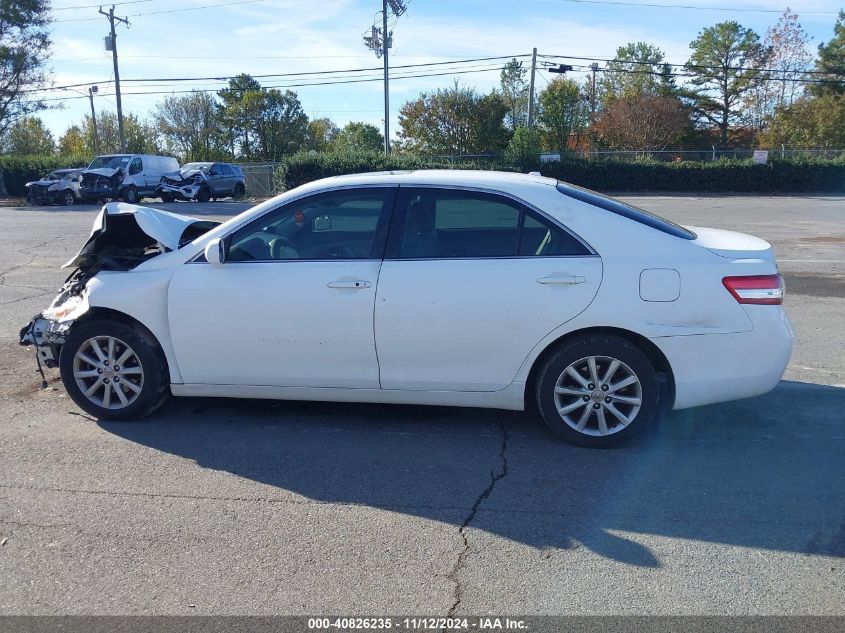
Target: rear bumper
x=711, y=368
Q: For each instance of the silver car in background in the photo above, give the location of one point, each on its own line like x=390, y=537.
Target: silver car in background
x=59, y=186
x=202, y=182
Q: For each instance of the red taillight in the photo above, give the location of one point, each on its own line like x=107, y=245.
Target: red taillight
x=757, y=289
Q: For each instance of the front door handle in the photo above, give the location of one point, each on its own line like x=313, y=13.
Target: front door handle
x=566, y=280
x=349, y=283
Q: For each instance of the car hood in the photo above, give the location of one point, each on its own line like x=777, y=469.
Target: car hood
x=108, y=172
x=124, y=235
x=41, y=182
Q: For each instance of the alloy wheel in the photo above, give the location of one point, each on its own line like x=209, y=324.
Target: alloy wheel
x=108, y=372
x=598, y=395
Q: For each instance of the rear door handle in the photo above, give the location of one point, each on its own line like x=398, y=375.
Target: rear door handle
x=566, y=280
x=349, y=283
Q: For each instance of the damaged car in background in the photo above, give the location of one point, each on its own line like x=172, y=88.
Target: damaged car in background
x=129, y=177
x=202, y=182
x=58, y=187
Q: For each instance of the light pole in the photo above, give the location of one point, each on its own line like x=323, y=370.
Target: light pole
x=91, y=92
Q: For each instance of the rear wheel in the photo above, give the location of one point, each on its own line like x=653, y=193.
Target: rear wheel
x=114, y=371
x=68, y=199
x=597, y=390
x=240, y=191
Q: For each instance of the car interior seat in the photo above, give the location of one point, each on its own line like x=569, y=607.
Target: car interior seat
x=420, y=238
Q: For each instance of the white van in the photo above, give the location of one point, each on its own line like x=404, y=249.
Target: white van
x=126, y=176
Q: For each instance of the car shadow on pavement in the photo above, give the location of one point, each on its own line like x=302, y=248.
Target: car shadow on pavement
x=763, y=473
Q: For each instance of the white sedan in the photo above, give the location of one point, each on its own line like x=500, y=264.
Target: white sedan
x=476, y=289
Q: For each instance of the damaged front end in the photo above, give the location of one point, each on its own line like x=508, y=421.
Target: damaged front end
x=101, y=183
x=181, y=185
x=124, y=236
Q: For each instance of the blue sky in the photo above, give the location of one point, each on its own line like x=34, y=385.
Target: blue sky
x=298, y=36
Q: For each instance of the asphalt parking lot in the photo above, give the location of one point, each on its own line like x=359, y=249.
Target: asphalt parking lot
x=255, y=507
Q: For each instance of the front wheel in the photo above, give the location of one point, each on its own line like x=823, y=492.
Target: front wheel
x=597, y=390
x=68, y=199
x=204, y=194
x=130, y=195
x=114, y=371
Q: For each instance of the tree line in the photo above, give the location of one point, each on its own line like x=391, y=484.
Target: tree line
x=737, y=89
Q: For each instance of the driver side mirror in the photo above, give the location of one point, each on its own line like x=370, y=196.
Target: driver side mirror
x=215, y=252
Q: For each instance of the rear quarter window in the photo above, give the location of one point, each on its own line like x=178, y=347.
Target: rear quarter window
x=625, y=210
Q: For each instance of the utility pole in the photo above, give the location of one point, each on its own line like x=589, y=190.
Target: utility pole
x=385, y=39
x=378, y=40
x=91, y=91
x=531, y=90
x=112, y=19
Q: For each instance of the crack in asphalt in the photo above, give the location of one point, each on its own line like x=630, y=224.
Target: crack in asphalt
x=36, y=296
x=495, y=477
x=196, y=497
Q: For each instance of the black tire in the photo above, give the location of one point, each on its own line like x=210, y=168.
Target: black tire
x=240, y=191
x=166, y=197
x=68, y=198
x=154, y=381
x=130, y=195
x=204, y=194
x=604, y=348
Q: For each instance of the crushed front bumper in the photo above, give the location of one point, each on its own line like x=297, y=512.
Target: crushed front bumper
x=180, y=192
x=42, y=196
x=47, y=335
x=95, y=193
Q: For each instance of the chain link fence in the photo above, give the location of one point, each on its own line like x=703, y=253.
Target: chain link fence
x=261, y=181
x=703, y=154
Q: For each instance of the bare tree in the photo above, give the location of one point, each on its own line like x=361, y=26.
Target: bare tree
x=782, y=60
x=645, y=123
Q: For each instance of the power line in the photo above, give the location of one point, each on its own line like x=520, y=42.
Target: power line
x=691, y=66
x=328, y=72
x=94, y=6
x=300, y=85
x=479, y=67
x=653, y=5
x=141, y=15
x=281, y=75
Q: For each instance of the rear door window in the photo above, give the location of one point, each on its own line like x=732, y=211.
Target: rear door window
x=446, y=223
x=443, y=223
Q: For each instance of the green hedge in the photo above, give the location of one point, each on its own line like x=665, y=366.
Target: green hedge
x=304, y=167
x=721, y=176
x=16, y=171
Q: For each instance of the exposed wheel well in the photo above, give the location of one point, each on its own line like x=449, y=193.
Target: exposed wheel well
x=121, y=317
x=655, y=356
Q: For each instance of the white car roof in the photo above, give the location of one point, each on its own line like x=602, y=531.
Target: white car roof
x=467, y=177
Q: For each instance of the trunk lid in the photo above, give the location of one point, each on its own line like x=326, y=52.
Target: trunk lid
x=732, y=245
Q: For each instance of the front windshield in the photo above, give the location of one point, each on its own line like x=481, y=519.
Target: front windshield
x=109, y=162
x=203, y=167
